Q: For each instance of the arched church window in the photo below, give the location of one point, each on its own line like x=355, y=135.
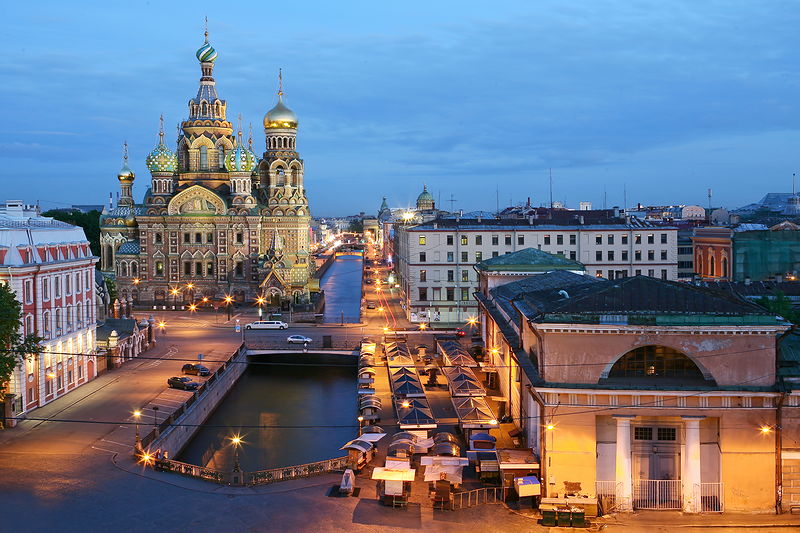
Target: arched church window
x=280, y=177
x=183, y=157
x=204, y=108
x=724, y=267
x=221, y=157
x=712, y=266
x=203, y=158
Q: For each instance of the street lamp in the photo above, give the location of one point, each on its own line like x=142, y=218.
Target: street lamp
x=423, y=326
x=136, y=281
x=192, y=308
x=138, y=446
x=236, y=440
x=260, y=301
x=228, y=302
x=155, y=417
x=360, y=421
x=174, y=292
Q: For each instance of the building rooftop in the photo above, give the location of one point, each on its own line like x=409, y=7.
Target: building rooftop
x=574, y=223
x=529, y=260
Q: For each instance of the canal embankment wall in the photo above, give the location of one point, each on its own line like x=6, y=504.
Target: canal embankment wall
x=179, y=428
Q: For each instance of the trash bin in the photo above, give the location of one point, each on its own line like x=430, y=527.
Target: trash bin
x=548, y=517
x=578, y=518
x=564, y=518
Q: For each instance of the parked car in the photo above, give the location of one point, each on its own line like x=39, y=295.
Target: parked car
x=369, y=281
x=267, y=324
x=195, y=369
x=370, y=306
x=182, y=382
x=298, y=339
x=460, y=332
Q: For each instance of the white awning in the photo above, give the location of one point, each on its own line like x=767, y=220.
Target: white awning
x=387, y=474
x=371, y=437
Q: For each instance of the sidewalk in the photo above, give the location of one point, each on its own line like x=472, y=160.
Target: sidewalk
x=644, y=519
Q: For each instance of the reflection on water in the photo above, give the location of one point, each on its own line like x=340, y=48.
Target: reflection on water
x=275, y=395
x=342, y=286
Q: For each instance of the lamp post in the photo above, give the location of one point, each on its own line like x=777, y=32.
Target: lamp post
x=138, y=446
x=228, y=302
x=236, y=440
x=360, y=422
x=174, y=292
x=260, y=301
x=155, y=418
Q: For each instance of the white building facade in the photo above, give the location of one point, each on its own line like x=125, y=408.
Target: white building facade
x=50, y=267
x=434, y=261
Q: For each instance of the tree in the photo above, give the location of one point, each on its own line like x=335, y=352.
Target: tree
x=13, y=345
x=780, y=304
x=356, y=226
x=90, y=222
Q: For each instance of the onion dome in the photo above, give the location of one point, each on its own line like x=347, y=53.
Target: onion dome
x=162, y=159
x=280, y=116
x=206, y=53
x=125, y=173
x=240, y=159
x=130, y=221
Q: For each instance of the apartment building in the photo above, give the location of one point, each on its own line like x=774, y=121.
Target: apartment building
x=434, y=260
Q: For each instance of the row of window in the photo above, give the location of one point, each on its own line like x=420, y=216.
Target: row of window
x=451, y=275
x=616, y=274
x=201, y=268
x=199, y=238
x=507, y=239
x=76, y=280
x=60, y=321
x=449, y=294
x=646, y=433
x=610, y=254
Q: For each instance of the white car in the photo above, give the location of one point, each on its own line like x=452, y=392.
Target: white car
x=267, y=324
x=297, y=339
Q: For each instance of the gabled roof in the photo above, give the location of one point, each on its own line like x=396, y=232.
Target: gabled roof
x=529, y=260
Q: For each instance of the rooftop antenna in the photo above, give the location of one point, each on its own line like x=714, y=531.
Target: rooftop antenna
x=452, y=201
x=793, y=176
x=551, y=188
x=497, y=198
x=605, y=197
x=625, y=197
x=709, y=199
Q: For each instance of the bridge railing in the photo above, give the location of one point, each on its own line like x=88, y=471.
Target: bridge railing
x=318, y=342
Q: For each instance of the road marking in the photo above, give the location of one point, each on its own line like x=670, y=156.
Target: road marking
x=103, y=449
x=114, y=442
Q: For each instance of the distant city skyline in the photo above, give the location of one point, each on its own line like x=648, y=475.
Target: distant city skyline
x=663, y=100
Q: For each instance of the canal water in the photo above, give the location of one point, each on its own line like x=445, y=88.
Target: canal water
x=342, y=286
x=321, y=398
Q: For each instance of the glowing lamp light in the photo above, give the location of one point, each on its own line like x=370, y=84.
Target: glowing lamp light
x=190, y=285
x=137, y=413
x=205, y=298
x=51, y=375
x=228, y=299
x=492, y=422
x=146, y=458
x=174, y=292
x=236, y=440
x=423, y=326
x=406, y=404
x=472, y=321
x=162, y=324
x=494, y=351
x=260, y=300
x=360, y=419
x=192, y=307
x=136, y=281
x=765, y=429
x=550, y=427
x=380, y=309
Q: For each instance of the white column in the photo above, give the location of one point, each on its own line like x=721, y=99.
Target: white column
x=623, y=463
x=691, y=465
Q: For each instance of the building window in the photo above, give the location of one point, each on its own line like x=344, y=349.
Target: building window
x=573, y=255
x=463, y=240
x=663, y=273
x=450, y=257
x=464, y=257
x=422, y=240
x=423, y=275
x=198, y=268
x=520, y=240
x=598, y=255
x=495, y=254
x=451, y=275
x=28, y=290
x=68, y=284
x=422, y=257
x=239, y=237
x=611, y=255
x=663, y=238
x=624, y=255
x=157, y=238
x=667, y=433
x=159, y=268
x=449, y=240
x=637, y=239
x=598, y=273
x=637, y=255
x=653, y=362
x=573, y=240
x=478, y=240
x=220, y=157
x=239, y=269
x=651, y=255
x=465, y=275
x=203, y=158
x=209, y=269
x=187, y=238
x=624, y=239
x=464, y=295
x=495, y=240
x=663, y=255
x=638, y=272
x=508, y=240
x=559, y=239
x=209, y=238
x=651, y=239
x=423, y=294
x=610, y=238
x=640, y=433
x=651, y=272
x=547, y=239
x=478, y=257
x=598, y=239
x=451, y=294
x=187, y=268
x=198, y=238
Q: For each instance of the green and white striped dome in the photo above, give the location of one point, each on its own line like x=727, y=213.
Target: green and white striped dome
x=240, y=159
x=206, y=53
